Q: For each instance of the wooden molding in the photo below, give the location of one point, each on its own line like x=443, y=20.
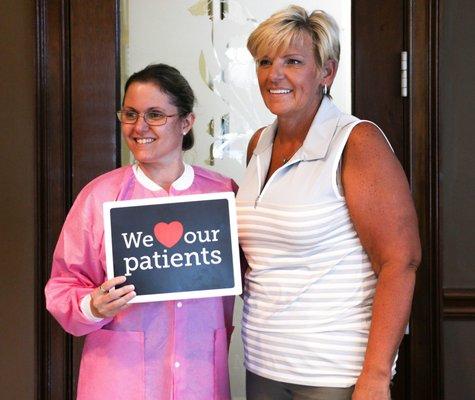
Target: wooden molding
x=459, y=304
x=426, y=348
x=53, y=186
x=71, y=53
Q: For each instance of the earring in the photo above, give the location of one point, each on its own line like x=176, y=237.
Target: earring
x=325, y=90
x=184, y=133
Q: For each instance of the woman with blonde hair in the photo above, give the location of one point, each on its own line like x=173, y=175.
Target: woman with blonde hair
x=327, y=225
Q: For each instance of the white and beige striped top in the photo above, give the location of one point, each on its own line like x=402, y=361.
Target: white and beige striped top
x=310, y=286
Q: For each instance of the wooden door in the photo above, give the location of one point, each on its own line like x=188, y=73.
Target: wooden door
x=79, y=90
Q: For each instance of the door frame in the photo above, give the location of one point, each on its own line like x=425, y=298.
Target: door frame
x=68, y=61
x=77, y=95
x=426, y=338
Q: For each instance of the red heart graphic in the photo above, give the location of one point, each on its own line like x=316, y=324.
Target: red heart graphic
x=168, y=234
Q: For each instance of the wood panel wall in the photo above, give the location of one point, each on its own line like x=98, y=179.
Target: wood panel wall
x=17, y=199
x=78, y=139
x=455, y=188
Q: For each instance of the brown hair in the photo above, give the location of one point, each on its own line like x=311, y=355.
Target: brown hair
x=171, y=82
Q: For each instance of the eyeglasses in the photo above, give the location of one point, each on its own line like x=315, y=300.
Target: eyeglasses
x=152, y=118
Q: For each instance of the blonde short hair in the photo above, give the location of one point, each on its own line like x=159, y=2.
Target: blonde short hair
x=289, y=25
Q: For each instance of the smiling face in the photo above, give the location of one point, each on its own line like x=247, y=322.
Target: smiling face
x=290, y=80
x=154, y=144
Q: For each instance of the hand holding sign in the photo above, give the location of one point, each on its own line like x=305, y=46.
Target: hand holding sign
x=108, y=304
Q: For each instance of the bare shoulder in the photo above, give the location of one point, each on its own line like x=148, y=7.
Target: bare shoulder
x=253, y=143
x=367, y=150
x=368, y=158
x=365, y=138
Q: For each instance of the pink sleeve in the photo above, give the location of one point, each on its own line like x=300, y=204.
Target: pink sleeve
x=77, y=266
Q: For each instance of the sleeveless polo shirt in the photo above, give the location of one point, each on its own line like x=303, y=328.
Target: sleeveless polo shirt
x=309, y=287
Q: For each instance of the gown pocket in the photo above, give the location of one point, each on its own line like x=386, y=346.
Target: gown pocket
x=112, y=366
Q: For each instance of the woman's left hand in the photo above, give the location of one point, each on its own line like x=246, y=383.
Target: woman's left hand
x=106, y=303
x=371, y=389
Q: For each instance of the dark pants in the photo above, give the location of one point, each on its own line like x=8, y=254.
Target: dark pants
x=259, y=388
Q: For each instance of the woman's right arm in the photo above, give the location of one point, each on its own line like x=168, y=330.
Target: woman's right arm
x=77, y=272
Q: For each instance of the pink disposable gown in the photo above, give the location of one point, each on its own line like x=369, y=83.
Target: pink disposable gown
x=163, y=350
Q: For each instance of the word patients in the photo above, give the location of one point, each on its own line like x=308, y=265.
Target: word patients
x=169, y=235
